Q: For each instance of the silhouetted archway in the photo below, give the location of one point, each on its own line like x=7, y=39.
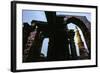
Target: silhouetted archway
x=85, y=30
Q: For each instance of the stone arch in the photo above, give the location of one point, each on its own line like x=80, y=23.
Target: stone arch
x=84, y=26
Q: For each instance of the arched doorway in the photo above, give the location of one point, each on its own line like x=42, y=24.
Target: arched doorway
x=77, y=44
x=84, y=29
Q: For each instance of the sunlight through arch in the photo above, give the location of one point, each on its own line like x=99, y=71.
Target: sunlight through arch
x=72, y=26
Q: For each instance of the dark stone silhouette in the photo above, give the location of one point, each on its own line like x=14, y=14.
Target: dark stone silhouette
x=58, y=44
x=59, y=38
x=71, y=35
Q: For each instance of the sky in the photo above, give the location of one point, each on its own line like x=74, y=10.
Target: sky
x=45, y=46
x=29, y=15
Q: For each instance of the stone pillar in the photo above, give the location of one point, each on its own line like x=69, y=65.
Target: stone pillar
x=58, y=46
x=72, y=44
